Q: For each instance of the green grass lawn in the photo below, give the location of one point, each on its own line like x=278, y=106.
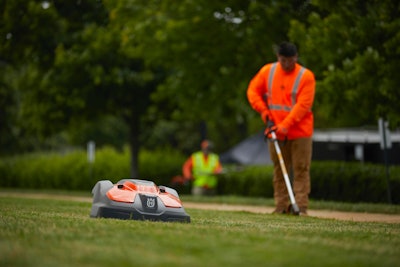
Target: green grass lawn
x=37, y=232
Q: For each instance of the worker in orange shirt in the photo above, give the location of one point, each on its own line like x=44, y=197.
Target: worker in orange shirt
x=283, y=93
x=201, y=167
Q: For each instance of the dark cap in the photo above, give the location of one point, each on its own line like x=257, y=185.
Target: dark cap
x=286, y=49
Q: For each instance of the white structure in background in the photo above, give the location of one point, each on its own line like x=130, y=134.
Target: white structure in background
x=91, y=151
x=357, y=140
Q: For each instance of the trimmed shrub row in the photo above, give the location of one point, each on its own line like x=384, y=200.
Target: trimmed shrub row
x=72, y=171
x=338, y=181
x=354, y=182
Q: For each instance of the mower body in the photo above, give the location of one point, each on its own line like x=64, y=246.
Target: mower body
x=135, y=199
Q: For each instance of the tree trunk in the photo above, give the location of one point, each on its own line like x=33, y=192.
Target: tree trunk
x=134, y=146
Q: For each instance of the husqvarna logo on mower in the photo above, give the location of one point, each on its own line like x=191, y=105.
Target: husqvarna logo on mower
x=151, y=202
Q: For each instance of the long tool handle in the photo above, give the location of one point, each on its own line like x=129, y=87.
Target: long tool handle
x=284, y=171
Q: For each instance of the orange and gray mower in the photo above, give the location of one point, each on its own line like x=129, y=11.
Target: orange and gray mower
x=293, y=208
x=135, y=199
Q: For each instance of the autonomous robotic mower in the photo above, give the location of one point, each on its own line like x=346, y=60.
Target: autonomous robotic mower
x=135, y=199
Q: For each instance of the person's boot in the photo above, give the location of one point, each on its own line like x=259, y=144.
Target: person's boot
x=303, y=211
x=279, y=210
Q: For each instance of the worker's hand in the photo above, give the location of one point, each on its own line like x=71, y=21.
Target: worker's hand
x=180, y=180
x=280, y=131
x=270, y=128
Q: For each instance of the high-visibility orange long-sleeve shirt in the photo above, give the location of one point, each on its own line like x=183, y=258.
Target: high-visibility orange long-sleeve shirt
x=286, y=98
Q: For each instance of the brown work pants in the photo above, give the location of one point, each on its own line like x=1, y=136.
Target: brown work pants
x=297, y=157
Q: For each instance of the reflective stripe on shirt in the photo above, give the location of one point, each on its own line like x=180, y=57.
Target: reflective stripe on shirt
x=295, y=89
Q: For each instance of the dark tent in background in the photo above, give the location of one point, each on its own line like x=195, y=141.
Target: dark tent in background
x=251, y=151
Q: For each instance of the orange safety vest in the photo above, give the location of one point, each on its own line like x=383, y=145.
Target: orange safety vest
x=286, y=97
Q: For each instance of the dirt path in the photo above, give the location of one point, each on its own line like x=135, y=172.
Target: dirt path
x=328, y=214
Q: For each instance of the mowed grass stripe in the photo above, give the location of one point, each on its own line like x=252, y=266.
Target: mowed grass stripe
x=37, y=232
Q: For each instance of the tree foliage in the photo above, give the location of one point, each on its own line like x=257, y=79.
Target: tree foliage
x=166, y=68
x=353, y=46
x=210, y=51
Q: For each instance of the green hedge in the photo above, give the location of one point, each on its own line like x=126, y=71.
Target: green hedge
x=72, y=171
x=354, y=182
x=255, y=181
x=338, y=181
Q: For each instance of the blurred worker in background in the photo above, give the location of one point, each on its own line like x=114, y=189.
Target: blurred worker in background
x=202, y=167
x=283, y=94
